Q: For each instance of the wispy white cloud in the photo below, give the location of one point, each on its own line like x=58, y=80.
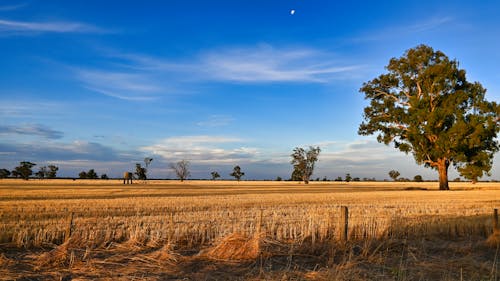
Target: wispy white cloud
x=12, y=7
x=424, y=25
x=268, y=64
x=429, y=24
x=142, y=77
x=216, y=121
x=28, y=109
x=43, y=27
x=122, y=85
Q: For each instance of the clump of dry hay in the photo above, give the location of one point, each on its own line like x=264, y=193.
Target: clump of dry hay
x=61, y=255
x=237, y=247
x=165, y=254
x=494, y=239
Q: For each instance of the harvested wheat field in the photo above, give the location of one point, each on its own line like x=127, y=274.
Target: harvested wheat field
x=225, y=230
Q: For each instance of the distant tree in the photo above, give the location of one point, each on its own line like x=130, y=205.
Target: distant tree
x=303, y=162
x=418, y=178
x=339, y=178
x=91, y=174
x=42, y=173
x=426, y=106
x=52, y=171
x=237, y=173
x=278, y=178
x=23, y=170
x=325, y=179
x=140, y=172
x=356, y=179
x=104, y=177
x=457, y=180
x=82, y=175
x=394, y=174
x=181, y=169
x=4, y=173
x=147, y=162
x=215, y=175
x=348, y=177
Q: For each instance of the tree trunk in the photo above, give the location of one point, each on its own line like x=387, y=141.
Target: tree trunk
x=443, y=174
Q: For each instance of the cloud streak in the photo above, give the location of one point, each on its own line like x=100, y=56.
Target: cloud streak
x=141, y=77
x=216, y=121
x=48, y=27
x=426, y=25
x=121, y=85
x=31, y=130
x=12, y=7
x=267, y=64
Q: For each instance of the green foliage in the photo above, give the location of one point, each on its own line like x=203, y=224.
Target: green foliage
x=42, y=172
x=91, y=174
x=303, y=162
x=394, y=174
x=215, y=175
x=104, y=177
x=339, y=178
x=237, y=173
x=279, y=178
x=49, y=172
x=296, y=175
x=82, y=175
x=52, y=171
x=418, y=178
x=348, y=177
x=424, y=105
x=4, y=173
x=140, y=172
x=23, y=170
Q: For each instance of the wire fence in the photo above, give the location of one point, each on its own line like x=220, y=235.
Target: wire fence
x=197, y=228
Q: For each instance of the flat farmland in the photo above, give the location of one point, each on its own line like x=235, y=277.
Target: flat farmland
x=248, y=230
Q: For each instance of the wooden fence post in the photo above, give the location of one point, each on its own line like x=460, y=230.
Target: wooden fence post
x=260, y=222
x=171, y=229
x=69, y=227
x=344, y=223
x=495, y=220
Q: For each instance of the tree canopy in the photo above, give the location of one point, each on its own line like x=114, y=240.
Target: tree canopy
x=237, y=173
x=303, y=162
x=181, y=169
x=23, y=170
x=424, y=105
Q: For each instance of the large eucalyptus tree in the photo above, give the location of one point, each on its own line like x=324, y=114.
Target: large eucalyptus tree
x=424, y=105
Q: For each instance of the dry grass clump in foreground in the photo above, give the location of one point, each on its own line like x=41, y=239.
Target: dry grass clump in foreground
x=494, y=238
x=394, y=259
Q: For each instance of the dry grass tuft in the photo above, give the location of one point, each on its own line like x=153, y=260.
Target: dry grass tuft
x=236, y=247
x=59, y=256
x=165, y=255
x=494, y=239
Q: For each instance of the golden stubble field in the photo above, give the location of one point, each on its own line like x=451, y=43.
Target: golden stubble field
x=248, y=230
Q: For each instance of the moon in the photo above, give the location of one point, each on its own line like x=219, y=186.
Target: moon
x=292, y=12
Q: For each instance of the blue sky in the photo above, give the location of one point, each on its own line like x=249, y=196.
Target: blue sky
x=103, y=84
